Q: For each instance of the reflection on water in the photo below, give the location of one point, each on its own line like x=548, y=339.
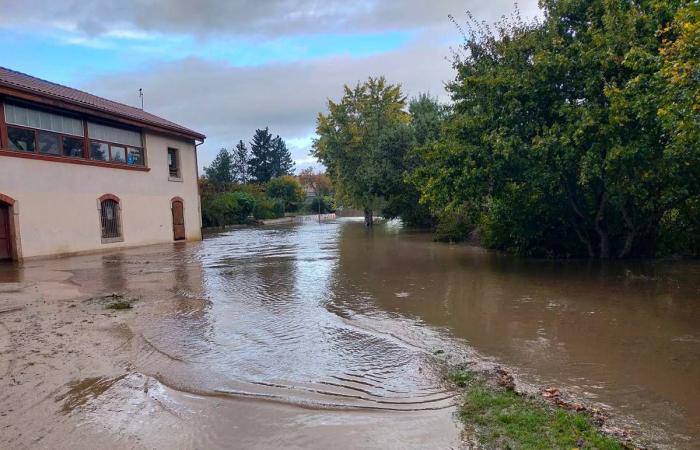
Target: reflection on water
x=270, y=334
x=623, y=334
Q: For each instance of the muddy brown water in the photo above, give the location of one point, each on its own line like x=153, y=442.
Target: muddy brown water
x=318, y=335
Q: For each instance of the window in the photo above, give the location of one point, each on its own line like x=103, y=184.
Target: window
x=48, y=133
x=119, y=145
x=110, y=218
x=49, y=143
x=21, y=139
x=73, y=147
x=118, y=154
x=99, y=151
x=35, y=130
x=174, y=163
x=134, y=156
x=42, y=120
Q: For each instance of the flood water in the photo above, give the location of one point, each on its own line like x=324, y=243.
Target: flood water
x=319, y=334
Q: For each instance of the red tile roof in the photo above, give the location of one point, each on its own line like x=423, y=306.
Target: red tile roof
x=37, y=86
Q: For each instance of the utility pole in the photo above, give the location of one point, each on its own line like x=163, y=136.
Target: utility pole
x=141, y=96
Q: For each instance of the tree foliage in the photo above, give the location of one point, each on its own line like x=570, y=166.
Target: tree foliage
x=288, y=189
x=319, y=183
x=240, y=159
x=220, y=173
x=364, y=141
x=269, y=157
x=563, y=140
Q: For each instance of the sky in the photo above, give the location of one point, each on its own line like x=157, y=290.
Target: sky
x=227, y=67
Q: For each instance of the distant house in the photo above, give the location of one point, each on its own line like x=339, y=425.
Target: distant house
x=81, y=173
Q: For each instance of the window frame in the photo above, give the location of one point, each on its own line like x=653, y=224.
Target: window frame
x=36, y=150
x=109, y=153
x=86, y=157
x=178, y=165
x=119, y=219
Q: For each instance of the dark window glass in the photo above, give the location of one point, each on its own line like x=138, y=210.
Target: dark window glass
x=99, y=151
x=134, y=156
x=173, y=163
x=72, y=147
x=109, y=216
x=20, y=139
x=49, y=143
x=118, y=154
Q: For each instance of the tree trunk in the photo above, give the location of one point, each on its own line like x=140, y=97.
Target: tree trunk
x=601, y=229
x=585, y=241
x=629, y=237
x=369, y=220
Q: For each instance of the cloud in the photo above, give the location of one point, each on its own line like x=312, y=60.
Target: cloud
x=213, y=18
x=228, y=103
x=209, y=87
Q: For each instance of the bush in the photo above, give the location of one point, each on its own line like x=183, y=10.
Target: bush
x=453, y=226
x=227, y=209
x=257, y=191
x=245, y=205
x=679, y=233
x=268, y=209
x=327, y=205
x=287, y=189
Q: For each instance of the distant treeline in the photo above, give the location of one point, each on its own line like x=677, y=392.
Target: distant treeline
x=240, y=185
x=574, y=135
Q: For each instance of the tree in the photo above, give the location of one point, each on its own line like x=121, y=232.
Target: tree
x=427, y=118
x=270, y=157
x=679, y=84
x=287, y=189
x=352, y=140
x=556, y=146
x=240, y=163
x=220, y=173
x=282, y=163
x=260, y=151
x=317, y=182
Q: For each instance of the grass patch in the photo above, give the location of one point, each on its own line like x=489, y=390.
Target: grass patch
x=120, y=304
x=504, y=419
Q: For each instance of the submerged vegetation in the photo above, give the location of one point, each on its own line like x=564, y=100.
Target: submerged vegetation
x=574, y=135
x=496, y=417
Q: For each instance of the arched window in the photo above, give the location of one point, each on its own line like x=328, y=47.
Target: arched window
x=110, y=218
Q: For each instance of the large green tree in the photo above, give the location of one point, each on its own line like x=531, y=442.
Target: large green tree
x=363, y=140
x=556, y=146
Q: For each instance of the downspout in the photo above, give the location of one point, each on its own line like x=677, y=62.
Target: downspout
x=199, y=194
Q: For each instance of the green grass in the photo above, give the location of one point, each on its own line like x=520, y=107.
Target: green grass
x=506, y=420
x=120, y=304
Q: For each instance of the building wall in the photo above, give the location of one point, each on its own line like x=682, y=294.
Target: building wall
x=57, y=207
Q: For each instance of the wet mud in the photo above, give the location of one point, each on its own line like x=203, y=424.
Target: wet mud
x=326, y=335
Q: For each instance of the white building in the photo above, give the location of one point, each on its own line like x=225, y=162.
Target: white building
x=81, y=173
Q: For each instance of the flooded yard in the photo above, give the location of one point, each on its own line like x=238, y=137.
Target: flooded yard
x=321, y=335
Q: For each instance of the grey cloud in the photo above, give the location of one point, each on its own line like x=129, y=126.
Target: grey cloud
x=229, y=103
x=249, y=17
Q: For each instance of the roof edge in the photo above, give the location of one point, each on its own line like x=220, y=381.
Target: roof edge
x=176, y=129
